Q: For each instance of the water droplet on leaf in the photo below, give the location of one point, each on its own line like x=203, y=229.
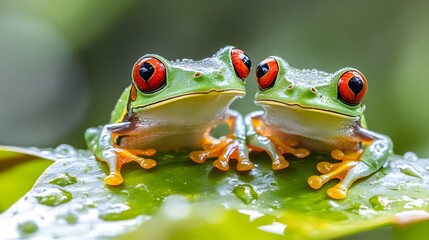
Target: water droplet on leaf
x=379, y=203
x=54, y=197
x=409, y=170
x=27, y=227
x=71, y=218
x=245, y=193
x=410, y=156
x=63, y=179
x=117, y=211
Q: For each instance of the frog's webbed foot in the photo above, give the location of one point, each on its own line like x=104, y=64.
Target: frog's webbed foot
x=349, y=161
x=227, y=148
x=116, y=157
x=259, y=138
x=276, y=148
x=287, y=146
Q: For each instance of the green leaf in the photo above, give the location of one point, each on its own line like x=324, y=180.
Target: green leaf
x=19, y=170
x=182, y=200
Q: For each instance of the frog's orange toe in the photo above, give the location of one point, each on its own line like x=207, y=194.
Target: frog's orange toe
x=148, y=163
x=325, y=167
x=150, y=152
x=337, y=154
x=221, y=165
x=280, y=164
x=198, y=156
x=301, y=153
x=245, y=166
x=114, y=179
x=316, y=182
x=337, y=192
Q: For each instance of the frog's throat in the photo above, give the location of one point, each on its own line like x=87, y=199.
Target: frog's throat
x=263, y=102
x=237, y=92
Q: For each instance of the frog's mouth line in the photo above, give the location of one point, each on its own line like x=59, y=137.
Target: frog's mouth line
x=237, y=92
x=296, y=105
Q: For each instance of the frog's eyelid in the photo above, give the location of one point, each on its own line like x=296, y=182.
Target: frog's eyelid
x=241, y=63
x=267, y=73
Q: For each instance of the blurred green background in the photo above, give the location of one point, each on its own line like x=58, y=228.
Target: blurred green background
x=63, y=64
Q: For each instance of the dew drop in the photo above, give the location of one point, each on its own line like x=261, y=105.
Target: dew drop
x=117, y=211
x=245, y=193
x=54, y=197
x=409, y=170
x=379, y=203
x=410, y=156
x=27, y=227
x=140, y=188
x=65, y=149
x=71, y=218
x=63, y=179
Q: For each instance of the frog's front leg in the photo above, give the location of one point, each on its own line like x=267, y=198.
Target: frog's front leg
x=258, y=139
x=354, y=165
x=232, y=146
x=103, y=142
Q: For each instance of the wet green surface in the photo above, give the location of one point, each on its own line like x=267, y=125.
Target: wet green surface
x=71, y=199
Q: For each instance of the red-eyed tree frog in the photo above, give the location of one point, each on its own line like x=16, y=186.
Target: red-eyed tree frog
x=172, y=105
x=321, y=112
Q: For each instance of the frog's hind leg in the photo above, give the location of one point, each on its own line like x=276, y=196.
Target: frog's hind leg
x=232, y=146
x=208, y=141
x=354, y=165
x=337, y=170
x=258, y=139
x=359, y=170
x=345, y=157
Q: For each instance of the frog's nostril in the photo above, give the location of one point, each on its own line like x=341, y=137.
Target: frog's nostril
x=290, y=87
x=197, y=74
x=313, y=89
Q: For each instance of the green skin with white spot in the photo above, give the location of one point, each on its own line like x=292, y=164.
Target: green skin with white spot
x=303, y=105
x=195, y=99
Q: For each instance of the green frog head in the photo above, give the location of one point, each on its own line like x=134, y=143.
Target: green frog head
x=340, y=93
x=158, y=81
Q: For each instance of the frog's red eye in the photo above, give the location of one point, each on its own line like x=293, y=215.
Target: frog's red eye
x=266, y=73
x=352, y=87
x=241, y=63
x=149, y=74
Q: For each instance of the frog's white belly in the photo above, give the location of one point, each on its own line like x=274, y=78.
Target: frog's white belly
x=179, y=124
x=316, y=129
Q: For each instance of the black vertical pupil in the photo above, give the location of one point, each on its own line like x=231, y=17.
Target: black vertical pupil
x=146, y=71
x=356, y=85
x=246, y=61
x=262, y=69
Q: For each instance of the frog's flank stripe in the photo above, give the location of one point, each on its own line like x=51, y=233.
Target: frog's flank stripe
x=236, y=91
x=273, y=102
